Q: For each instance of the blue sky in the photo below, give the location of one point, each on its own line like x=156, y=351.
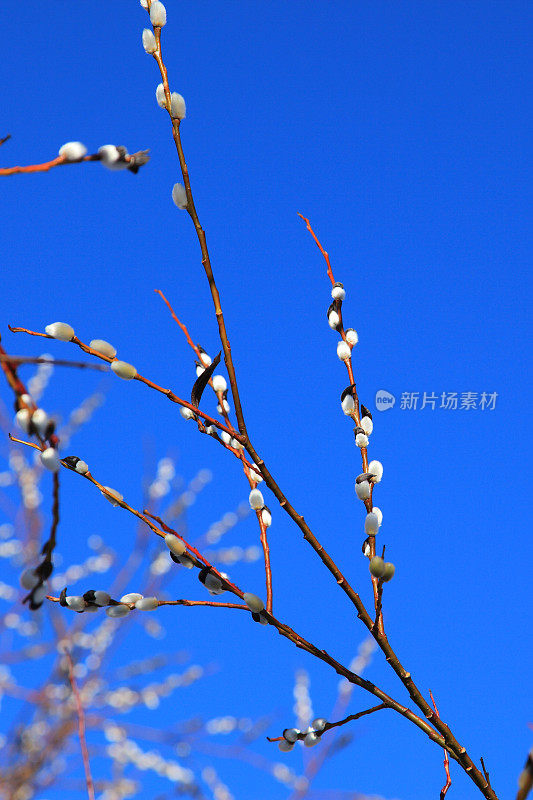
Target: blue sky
x=400, y=131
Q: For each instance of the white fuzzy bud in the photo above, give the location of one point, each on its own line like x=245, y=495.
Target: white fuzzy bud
x=144, y=3
x=348, y=405
x=285, y=746
x=131, y=597
x=371, y=524
x=199, y=370
x=255, y=475
x=351, y=336
x=186, y=413
x=361, y=440
x=338, y=292
x=60, y=330
x=101, y=598
x=253, y=602
x=223, y=408
x=379, y=514
x=376, y=468
x=158, y=14
x=210, y=430
x=147, y=603
x=175, y=544
x=82, y=467
x=22, y=419
x=319, y=724
x=110, y=157
x=149, y=42
x=225, y=436
x=236, y=444
x=72, y=151
x=50, y=459
x=40, y=420
x=219, y=383
x=343, y=351
x=123, y=370
x=75, y=602
x=186, y=562
x=311, y=739
x=177, y=106
x=28, y=579
x=103, y=347
x=39, y=594
x=160, y=95
x=367, y=425
x=389, y=571
x=118, y=611
x=333, y=320
x=213, y=583
x=179, y=195
x=112, y=495
x=291, y=735
x=256, y=499
x=266, y=517
x=362, y=490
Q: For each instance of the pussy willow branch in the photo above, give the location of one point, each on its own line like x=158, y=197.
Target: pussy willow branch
x=448, y=783
x=59, y=161
x=452, y=745
x=262, y=527
x=329, y=725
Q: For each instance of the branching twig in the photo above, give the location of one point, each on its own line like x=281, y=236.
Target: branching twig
x=81, y=727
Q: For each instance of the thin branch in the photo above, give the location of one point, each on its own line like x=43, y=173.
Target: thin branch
x=81, y=727
x=4, y=139
x=134, y=161
x=447, y=760
x=330, y=725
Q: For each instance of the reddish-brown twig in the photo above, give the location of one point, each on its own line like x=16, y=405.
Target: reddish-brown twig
x=329, y=725
x=81, y=727
x=447, y=760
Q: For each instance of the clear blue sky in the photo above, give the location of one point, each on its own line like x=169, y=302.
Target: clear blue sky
x=400, y=130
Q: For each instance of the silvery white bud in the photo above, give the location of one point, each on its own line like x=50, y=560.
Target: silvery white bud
x=26, y=398
x=256, y=499
x=103, y=347
x=219, y=383
x=160, y=95
x=389, y=571
x=213, y=582
x=147, y=603
x=175, y=544
x=210, y=429
x=362, y=490
x=377, y=511
x=348, y=404
x=291, y=735
x=91, y=609
x=199, y=370
x=376, y=468
x=50, y=459
x=371, y=524
x=132, y=597
x=22, y=419
x=123, y=370
x=38, y=595
x=333, y=319
x=101, y=598
x=377, y=567
x=186, y=562
x=343, y=351
x=82, y=467
x=361, y=440
x=179, y=195
x=366, y=549
x=266, y=517
x=311, y=739
x=118, y=611
x=236, y=444
x=285, y=746
x=224, y=407
x=60, y=330
x=28, y=579
x=225, y=436
x=253, y=602
x=144, y=3
x=40, y=420
x=149, y=42
x=115, y=497
x=367, y=425
x=72, y=151
x=338, y=292
x=186, y=413
x=158, y=14
x=255, y=475
x=75, y=602
x=351, y=336
x=177, y=106
x=109, y=157
x=319, y=724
